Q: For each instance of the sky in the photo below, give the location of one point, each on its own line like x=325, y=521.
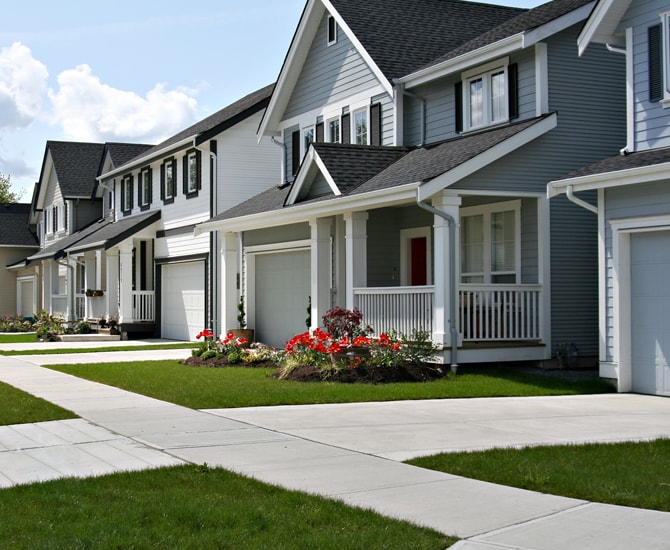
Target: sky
x=131, y=71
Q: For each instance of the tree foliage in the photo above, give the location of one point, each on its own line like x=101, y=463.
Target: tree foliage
x=6, y=194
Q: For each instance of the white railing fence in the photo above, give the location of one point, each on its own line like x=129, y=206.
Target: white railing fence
x=486, y=312
x=403, y=309
x=79, y=306
x=143, y=305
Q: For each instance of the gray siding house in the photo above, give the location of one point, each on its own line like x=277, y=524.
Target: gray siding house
x=633, y=198
x=417, y=149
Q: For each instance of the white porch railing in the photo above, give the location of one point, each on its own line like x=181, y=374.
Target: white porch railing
x=500, y=312
x=59, y=304
x=143, y=305
x=486, y=312
x=403, y=309
x=80, y=306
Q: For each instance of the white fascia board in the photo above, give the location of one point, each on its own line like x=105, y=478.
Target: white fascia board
x=302, y=213
x=465, y=61
x=311, y=162
x=601, y=24
x=482, y=160
x=141, y=161
x=630, y=176
x=557, y=25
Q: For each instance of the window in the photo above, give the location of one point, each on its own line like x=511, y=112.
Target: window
x=168, y=173
x=144, y=190
x=486, y=98
x=360, y=129
x=490, y=243
x=307, y=138
x=54, y=219
x=333, y=128
x=47, y=225
x=332, y=30
x=192, y=173
x=127, y=194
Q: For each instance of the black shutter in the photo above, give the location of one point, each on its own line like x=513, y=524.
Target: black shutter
x=198, y=165
x=513, y=90
x=346, y=128
x=319, y=133
x=132, y=183
x=184, y=174
x=655, y=63
x=123, y=194
x=65, y=215
x=295, y=151
x=163, y=181
x=458, y=107
x=376, y=124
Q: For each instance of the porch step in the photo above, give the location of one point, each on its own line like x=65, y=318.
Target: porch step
x=89, y=337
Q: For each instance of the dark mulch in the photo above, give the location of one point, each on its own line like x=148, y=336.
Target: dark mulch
x=223, y=362
x=369, y=375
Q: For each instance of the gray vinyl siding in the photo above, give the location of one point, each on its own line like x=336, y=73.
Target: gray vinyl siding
x=529, y=243
x=650, y=199
x=388, y=118
x=651, y=119
x=84, y=213
x=318, y=188
x=276, y=235
x=329, y=74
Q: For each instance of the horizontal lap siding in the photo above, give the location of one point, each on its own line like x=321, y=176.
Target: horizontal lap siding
x=330, y=74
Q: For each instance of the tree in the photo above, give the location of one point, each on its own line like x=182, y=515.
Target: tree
x=6, y=195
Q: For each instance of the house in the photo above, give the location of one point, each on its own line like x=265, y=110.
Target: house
x=18, y=285
x=155, y=277
x=633, y=198
x=418, y=143
x=65, y=211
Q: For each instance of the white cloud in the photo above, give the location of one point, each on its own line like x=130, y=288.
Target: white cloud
x=89, y=110
x=22, y=86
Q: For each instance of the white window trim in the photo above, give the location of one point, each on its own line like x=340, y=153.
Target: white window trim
x=328, y=121
x=303, y=131
x=665, y=37
x=487, y=210
x=191, y=183
x=144, y=196
x=354, y=112
x=484, y=72
x=405, y=264
x=172, y=168
x=127, y=197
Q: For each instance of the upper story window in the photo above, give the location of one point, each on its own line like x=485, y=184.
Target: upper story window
x=192, y=173
x=490, y=243
x=144, y=188
x=360, y=127
x=333, y=130
x=485, y=92
x=658, y=42
x=332, y=30
x=168, y=174
x=54, y=219
x=127, y=194
x=307, y=138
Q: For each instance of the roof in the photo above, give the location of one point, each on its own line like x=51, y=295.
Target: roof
x=358, y=169
x=56, y=250
x=402, y=38
x=14, y=230
x=216, y=123
x=521, y=23
x=120, y=153
x=111, y=234
x=76, y=165
x=641, y=159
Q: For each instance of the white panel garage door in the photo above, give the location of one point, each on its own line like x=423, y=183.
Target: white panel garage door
x=282, y=294
x=650, y=311
x=183, y=300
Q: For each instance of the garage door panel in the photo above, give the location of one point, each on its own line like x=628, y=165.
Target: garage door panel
x=650, y=312
x=183, y=300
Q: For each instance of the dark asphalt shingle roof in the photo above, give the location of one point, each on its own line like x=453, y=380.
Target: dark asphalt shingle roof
x=120, y=153
x=14, y=229
x=524, y=22
x=617, y=163
x=76, y=165
x=56, y=249
x=219, y=121
x=403, y=36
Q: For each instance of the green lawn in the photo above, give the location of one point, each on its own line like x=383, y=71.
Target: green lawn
x=18, y=337
x=192, y=507
x=19, y=407
x=628, y=474
x=205, y=388
x=51, y=351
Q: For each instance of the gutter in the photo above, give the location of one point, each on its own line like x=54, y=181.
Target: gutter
x=569, y=193
x=453, y=331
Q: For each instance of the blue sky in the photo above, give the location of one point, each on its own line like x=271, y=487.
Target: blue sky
x=131, y=71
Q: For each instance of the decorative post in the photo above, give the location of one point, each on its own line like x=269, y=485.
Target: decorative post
x=356, y=254
x=229, y=275
x=320, y=269
x=126, y=283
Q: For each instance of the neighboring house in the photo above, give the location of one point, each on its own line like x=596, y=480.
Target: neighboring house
x=157, y=278
x=18, y=284
x=418, y=144
x=633, y=190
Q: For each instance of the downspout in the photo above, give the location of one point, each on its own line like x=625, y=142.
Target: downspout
x=569, y=193
x=622, y=51
x=214, y=240
x=283, y=160
x=453, y=331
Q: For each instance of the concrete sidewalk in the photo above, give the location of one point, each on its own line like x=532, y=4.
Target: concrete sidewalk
x=351, y=452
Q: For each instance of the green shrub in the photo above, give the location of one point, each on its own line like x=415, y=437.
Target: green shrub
x=47, y=326
x=208, y=354
x=82, y=327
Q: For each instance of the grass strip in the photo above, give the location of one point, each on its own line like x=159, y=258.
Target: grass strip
x=192, y=507
x=52, y=351
x=210, y=388
x=19, y=407
x=628, y=474
x=18, y=338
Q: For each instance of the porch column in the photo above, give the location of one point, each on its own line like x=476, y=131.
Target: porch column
x=47, y=286
x=229, y=276
x=448, y=204
x=126, y=283
x=112, y=294
x=320, y=269
x=356, y=254
x=90, y=282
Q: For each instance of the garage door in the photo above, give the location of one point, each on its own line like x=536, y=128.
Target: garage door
x=282, y=294
x=650, y=311
x=183, y=300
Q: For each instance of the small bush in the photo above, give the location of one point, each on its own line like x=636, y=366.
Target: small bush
x=47, y=326
x=15, y=323
x=82, y=327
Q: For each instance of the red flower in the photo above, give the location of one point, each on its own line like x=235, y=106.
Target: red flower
x=205, y=334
